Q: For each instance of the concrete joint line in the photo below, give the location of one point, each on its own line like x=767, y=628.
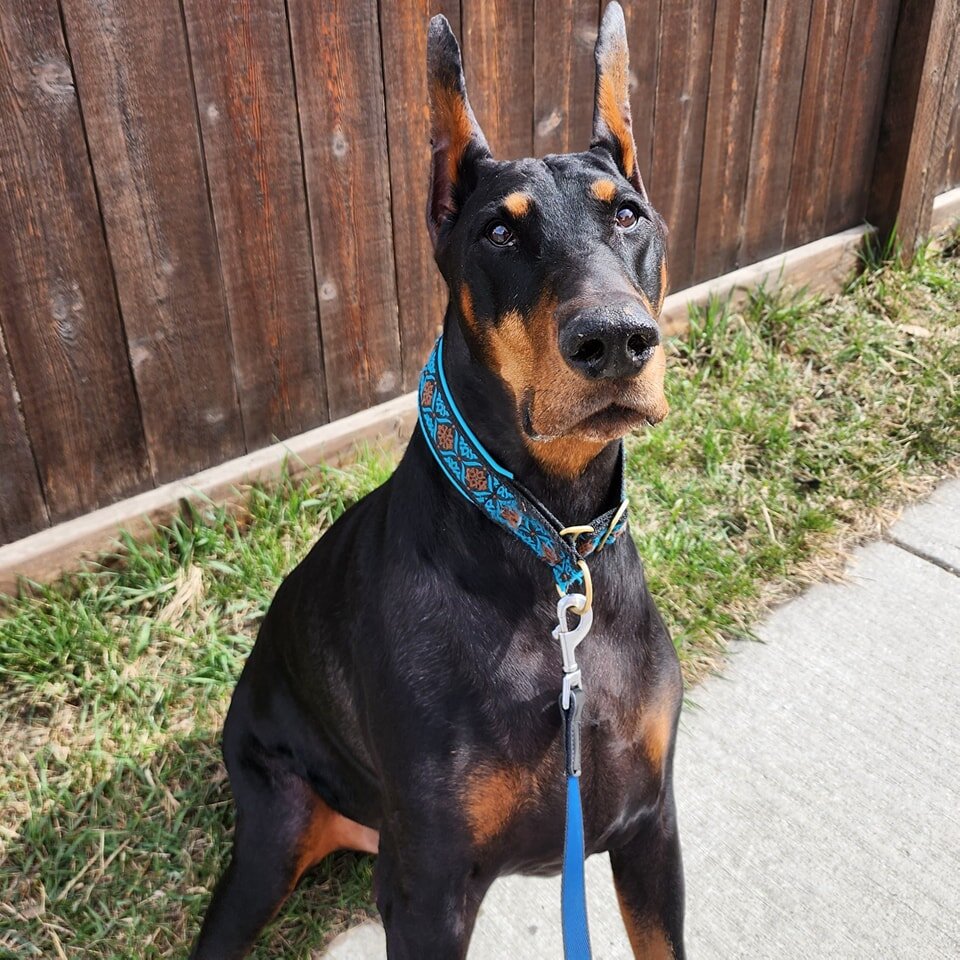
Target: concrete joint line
x=923, y=555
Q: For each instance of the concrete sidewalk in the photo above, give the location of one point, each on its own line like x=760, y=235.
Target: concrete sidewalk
x=818, y=780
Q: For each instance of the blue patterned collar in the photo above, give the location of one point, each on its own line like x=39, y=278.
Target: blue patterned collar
x=495, y=490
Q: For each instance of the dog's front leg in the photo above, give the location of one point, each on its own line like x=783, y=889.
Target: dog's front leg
x=428, y=894
x=648, y=873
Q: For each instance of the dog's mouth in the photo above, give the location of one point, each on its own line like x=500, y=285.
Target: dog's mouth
x=614, y=421
x=610, y=422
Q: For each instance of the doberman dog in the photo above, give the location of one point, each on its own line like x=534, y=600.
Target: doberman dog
x=401, y=697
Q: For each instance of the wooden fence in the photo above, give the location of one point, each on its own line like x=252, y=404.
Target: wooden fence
x=211, y=212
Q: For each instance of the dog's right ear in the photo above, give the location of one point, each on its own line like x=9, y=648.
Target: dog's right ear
x=457, y=140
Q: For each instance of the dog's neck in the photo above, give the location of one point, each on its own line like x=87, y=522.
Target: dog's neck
x=491, y=412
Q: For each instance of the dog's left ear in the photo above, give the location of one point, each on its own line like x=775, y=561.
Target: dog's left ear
x=457, y=140
x=612, y=128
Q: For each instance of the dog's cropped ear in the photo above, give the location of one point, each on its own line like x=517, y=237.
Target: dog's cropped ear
x=457, y=140
x=612, y=129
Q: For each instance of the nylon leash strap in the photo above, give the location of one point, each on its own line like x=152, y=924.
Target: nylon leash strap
x=573, y=891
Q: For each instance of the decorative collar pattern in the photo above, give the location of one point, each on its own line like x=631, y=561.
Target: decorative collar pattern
x=497, y=493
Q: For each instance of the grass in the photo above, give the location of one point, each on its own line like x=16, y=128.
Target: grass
x=798, y=426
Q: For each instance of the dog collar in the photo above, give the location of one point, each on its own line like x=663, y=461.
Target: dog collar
x=498, y=494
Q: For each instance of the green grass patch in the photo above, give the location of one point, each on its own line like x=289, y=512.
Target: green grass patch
x=797, y=426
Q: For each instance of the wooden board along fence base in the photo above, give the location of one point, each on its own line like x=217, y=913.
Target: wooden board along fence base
x=822, y=266
x=45, y=555
x=946, y=212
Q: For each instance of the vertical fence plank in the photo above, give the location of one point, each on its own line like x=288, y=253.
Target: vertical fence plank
x=864, y=84
x=726, y=144
x=947, y=136
x=337, y=64
x=248, y=116
x=686, y=39
x=498, y=60
x=915, y=119
x=22, y=509
x=643, y=38
x=950, y=176
x=57, y=302
x=421, y=292
x=938, y=108
x=140, y=114
x=565, y=32
x=817, y=121
x=785, y=30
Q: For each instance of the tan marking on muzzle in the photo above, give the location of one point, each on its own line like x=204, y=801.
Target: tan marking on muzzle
x=565, y=457
x=648, y=393
x=527, y=357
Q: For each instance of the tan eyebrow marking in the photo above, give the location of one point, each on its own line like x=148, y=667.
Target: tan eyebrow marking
x=517, y=203
x=604, y=190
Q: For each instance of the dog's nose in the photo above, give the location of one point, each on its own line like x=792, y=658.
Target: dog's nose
x=609, y=342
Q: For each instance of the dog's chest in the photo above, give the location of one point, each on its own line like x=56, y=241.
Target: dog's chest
x=513, y=794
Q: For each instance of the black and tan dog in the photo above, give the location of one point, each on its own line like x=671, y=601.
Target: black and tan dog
x=401, y=697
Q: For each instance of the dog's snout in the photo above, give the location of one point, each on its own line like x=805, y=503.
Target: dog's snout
x=609, y=342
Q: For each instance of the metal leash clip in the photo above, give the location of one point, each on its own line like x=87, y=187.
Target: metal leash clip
x=572, y=696
x=570, y=639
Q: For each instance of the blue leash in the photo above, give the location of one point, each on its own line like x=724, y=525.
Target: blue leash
x=475, y=474
x=573, y=888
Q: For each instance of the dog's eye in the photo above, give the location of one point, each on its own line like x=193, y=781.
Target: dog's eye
x=499, y=234
x=627, y=216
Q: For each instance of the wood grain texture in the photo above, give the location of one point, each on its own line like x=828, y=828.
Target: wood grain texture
x=947, y=138
x=686, y=39
x=57, y=302
x=642, y=19
x=498, y=41
x=950, y=175
x=785, y=29
x=824, y=266
x=22, y=509
x=140, y=114
x=817, y=121
x=899, y=111
x=337, y=63
x=928, y=144
x=248, y=117
x=734, y=69
x=916, y=120
x=564, y=37
x=421, y=292
x=864, y=86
